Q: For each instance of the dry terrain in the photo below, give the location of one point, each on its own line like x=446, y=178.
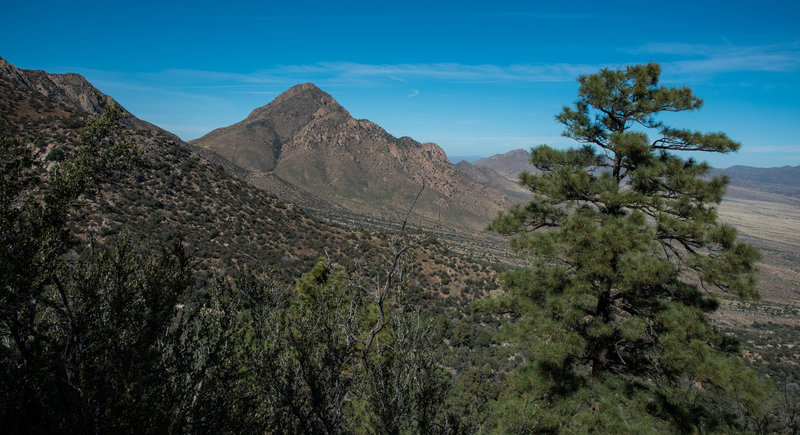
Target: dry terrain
x=770, y=327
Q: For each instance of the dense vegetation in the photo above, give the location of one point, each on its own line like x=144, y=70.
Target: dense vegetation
x=249, y=316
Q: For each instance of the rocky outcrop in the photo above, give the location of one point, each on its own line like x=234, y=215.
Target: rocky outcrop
x=71, y=90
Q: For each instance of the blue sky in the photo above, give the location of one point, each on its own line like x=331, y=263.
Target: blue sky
x=478, y=78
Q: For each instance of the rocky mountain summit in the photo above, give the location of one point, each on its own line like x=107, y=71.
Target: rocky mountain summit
x=305, y=139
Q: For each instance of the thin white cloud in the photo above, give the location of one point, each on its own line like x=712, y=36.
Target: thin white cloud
x=114, y=88
x=414, y=94
x=453, y=71
x=350, y=73
x=711, y=59
x=219, y=76
x=681, y=62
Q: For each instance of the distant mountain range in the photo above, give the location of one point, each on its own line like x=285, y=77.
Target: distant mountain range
x=781, y=180
x=786, y=175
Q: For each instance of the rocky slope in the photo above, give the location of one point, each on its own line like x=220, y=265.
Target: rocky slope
x=305, y=138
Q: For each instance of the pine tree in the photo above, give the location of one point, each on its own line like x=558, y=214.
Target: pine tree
x=628, y=259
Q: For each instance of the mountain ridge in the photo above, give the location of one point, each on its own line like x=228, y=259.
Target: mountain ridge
x=75, y=92
x=489, y=177
x=71, y=90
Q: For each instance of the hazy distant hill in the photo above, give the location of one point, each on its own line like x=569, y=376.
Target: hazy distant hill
x=491, y=178
x=783, y=180
x=455, y=159
x=788, y=175
x=305, y=139
x=508, y=164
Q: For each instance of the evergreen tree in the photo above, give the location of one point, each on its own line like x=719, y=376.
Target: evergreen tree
x=627, y=261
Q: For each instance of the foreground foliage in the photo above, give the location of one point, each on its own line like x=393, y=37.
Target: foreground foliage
x=128, y=336
x=626, y=254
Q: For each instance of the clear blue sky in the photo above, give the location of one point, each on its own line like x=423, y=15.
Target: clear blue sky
x=477, y=78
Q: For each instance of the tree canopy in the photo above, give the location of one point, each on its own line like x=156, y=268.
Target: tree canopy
x=628, y=259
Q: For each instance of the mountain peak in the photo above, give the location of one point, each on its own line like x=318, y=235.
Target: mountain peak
x=302, y=88
x=256, y=142
x=306, y=92
x=301, y=100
